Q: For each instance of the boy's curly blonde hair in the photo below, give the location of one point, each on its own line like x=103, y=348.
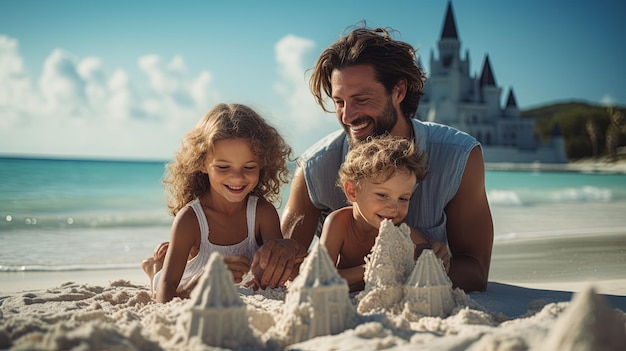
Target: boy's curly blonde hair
x=183, y=179
x=378, y=159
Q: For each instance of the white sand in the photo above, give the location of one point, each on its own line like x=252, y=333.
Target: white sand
x=101, y=312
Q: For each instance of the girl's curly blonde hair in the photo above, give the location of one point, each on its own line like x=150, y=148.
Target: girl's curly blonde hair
x=378, y=159
x=183, y=179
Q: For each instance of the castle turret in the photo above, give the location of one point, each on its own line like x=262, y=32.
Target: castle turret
x=318, y=301
x=218, y=315
x=490, y=91
x=510, y=109
x=449, y=43
x=473, y=103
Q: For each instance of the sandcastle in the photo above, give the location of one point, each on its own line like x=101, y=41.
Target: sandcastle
x=588, y=324
x=218, y=315
x=387, y=268
x=396, y=283
x=318, y=302
x=428, y=290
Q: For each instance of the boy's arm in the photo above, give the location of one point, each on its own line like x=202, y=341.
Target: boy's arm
x=354, y=276
x=333, y=234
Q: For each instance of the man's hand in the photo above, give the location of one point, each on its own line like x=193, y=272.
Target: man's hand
x=277, y=260
x=238, y=266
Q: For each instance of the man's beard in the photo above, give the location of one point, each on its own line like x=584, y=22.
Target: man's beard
x=383, y=125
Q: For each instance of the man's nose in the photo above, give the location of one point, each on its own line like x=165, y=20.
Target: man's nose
x=348, y=113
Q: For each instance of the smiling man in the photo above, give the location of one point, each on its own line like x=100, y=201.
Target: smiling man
x=375, y=84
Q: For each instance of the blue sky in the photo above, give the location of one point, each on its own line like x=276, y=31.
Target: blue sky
x=127, y=79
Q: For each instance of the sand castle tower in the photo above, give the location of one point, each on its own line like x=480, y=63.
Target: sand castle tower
x=428, y=291
x=317, y=302
x=218, y=315
x=387, y=268
x=588, y=323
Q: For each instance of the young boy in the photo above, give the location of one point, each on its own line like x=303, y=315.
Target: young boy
x=378, y=178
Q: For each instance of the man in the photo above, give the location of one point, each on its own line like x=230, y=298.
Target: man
x=375, y=84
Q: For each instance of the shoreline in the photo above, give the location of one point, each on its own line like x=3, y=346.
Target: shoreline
x=580, y=166
x=559, y=262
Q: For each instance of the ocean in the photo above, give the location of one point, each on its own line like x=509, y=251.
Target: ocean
x=63, y=215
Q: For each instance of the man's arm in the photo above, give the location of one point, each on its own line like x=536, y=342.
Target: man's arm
x=470, y=228
x=300, y=217
x=279, y=259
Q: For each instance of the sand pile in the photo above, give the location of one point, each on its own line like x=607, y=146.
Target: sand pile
x=405, y=306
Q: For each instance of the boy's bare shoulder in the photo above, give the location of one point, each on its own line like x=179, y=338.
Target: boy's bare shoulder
x=344, y=211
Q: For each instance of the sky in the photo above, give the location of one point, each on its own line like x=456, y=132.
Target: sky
x=127, y=79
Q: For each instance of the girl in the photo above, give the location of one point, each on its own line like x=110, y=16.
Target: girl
x=220, y=188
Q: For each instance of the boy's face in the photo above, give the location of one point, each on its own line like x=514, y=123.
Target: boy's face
x=373, y=202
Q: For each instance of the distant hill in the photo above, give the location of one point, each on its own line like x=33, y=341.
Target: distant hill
x=577, y=122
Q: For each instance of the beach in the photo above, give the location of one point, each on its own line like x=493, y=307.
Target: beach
x=532, y=284
x=565, y=262
x=70, y=275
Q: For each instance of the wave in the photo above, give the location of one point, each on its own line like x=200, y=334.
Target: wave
x=556, y=233
x=66, y=268
x=83, y=221
x=529, y=197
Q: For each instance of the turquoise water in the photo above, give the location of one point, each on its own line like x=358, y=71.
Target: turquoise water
x=71, y=214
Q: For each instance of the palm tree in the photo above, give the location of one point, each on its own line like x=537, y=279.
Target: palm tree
x=614, y=131
x=592, y=131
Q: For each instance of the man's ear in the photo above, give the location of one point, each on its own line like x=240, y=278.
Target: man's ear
x=350, y=189
x=399, y=91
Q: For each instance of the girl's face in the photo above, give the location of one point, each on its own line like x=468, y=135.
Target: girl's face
x=374, y=202
x=232, y=168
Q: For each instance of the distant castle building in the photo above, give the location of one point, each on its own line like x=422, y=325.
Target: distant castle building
x=472, y=104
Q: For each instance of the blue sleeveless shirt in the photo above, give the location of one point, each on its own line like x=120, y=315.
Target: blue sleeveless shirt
x=447, y=149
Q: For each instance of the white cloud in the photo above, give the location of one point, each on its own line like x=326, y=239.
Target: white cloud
x=306, y=120
x=80, y=108
x=14, y=84
x=62, y=88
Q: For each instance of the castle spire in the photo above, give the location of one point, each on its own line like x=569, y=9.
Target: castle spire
x=449, y=26
x=510, y=101
x=486, y=77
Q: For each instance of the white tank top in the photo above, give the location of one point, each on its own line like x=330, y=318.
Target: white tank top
x=247, y=247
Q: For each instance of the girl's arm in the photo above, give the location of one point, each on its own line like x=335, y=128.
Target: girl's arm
x=267, y=222
x=185, y=233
